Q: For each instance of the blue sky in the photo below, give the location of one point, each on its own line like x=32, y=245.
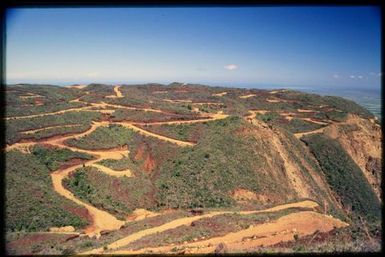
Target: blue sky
x=287, y=46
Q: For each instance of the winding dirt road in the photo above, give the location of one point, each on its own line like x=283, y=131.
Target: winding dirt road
x=90, y=107
x=305, y=222
x=283, y=229
x=101, y=220
x=187, y=221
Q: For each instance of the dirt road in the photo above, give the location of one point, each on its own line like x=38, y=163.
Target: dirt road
x=284, y=229
x=148, y=133
x=215, y=116
x=220, y=94
x=320, y=130
x=101, y=220
x=32, y=131
x=187, y=220
x=247, y=96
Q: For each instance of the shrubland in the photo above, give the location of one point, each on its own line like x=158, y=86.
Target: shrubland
x=117, y=195
x=298, y=125
x=204, y=176
x=15, y=127
x=53, y=158
x=143, y=116
x=103, y=138
x=31, y=204
x=344, y=177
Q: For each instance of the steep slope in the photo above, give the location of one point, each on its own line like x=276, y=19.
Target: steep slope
x=361, y=139
x=236, y=155
x=345, y=177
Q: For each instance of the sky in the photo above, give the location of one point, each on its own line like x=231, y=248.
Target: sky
x=252, y=46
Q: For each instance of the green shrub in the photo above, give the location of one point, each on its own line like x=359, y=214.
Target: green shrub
x=344, y=176
x=54, y=157
x=15, y=127
x=297, y=125
x=195, y=179
x=31, y=204
x=104, y=138
x=119, y=196
x=268, y=117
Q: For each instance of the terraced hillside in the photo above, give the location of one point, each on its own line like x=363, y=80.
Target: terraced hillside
x=184, y=168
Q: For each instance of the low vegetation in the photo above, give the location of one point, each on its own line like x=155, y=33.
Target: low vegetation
x=234, y=166
x=206, y=228
x=347, y=106
x=21, y=243
x=344, y=177
x=31, y=204
x=143, y=116
x=122, y=164
x=103, y=138
x=16, y=127
x=19, y=110
x=269, y=117
x=53, y=158
x=298, y=125
x=223, y=160
x=184, y=132
x=119, y=196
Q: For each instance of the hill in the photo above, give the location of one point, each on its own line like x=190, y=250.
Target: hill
x=186, y=168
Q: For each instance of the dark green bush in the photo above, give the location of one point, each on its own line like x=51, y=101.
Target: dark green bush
x=54, y=157
x=104, y=138
x=31, y=204
x=119, y=196
x=195, y=178
x=297, y=125
x=344, y=176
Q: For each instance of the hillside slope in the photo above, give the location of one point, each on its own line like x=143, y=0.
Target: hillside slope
x=113, y=159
